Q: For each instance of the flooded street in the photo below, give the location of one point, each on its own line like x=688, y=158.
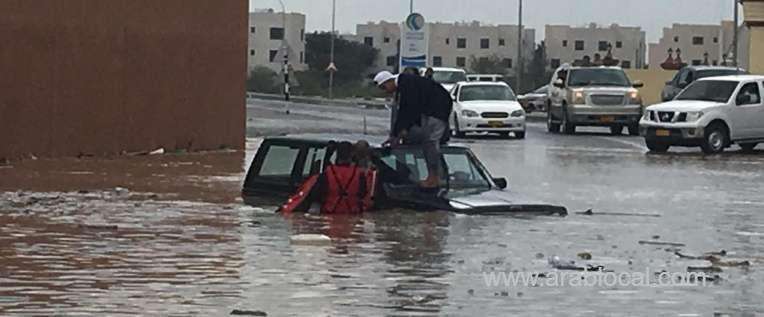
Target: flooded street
x=168, y=235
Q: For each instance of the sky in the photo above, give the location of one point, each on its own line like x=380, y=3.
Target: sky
x=651, y=15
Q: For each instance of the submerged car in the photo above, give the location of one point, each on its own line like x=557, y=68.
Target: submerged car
x=283, y=163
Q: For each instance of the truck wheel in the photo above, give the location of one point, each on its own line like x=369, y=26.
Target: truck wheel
x=520, y=135
x=715, y=140
x=657, y=147
x=567, y=126
x=634, y=129
x=551, y=127
x=616, y=129
x=748, y=147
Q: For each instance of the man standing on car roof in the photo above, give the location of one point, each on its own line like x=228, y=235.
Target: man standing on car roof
x=424, y=107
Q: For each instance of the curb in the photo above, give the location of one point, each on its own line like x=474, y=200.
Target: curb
x=369, y=104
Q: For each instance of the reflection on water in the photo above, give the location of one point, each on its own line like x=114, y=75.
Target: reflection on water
x=125, y=252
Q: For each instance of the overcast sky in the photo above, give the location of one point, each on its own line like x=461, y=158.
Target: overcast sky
x=652, y=15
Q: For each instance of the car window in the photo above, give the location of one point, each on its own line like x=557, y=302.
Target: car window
x=314, y=161
x=449, y=77
x=675, y=80
x=279, y=161
x=462, y=172
x=598, y=77
x=486, y=92
x=686, y=77
x=749, y=95
x=709, y=90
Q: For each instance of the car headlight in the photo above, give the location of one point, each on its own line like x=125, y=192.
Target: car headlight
x=469, y=114
x=518, y=113
x=694, y=116
x=578, y=97
x=635, y=98
x=646, y=116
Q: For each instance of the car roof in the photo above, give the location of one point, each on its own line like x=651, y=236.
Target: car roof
x=486, y=75
x=735, y=78
x=447, y=69
x=705, y=67
x=593, y=67
x=324, y=138
x=482, y=83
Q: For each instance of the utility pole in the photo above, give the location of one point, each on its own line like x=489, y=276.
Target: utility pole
x=520, y=66
x=331, y=68
x=736, y=36
x=285, y=47
x=411, y=7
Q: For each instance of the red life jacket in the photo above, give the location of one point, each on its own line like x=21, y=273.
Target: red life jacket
x=346, y=191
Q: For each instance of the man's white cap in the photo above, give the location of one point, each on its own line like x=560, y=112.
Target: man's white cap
x=383, y=77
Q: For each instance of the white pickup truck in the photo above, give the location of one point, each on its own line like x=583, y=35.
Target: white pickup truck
x=712, y=113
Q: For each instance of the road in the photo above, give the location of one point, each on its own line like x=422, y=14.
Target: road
x=125, y=252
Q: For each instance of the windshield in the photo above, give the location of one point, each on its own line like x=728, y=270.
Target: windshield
x=598, y=77
x=408, y=166
x=718, y=72
x=709, y=90
x=449, y=77
x=487, y=92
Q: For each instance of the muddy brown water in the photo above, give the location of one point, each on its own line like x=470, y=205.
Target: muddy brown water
x=168, y=236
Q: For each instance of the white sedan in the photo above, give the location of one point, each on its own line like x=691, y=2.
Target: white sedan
x=487, y=107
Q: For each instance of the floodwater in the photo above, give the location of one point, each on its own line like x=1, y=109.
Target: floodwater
x=152, y=247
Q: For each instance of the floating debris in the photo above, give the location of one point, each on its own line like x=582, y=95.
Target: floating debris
x=592, y=213
x=237, y=312
x=585, y=256
x=672, y=244
x=310, y=240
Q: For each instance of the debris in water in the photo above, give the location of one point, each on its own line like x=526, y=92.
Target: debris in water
x=471, y=291
x=158, y=151
x=237, y=312
x=570, y=265
x=310, y=239
x=585, y=256
x=591, y=213
x=672, y=244
x=539, y=255
x=656, y=237
x=704, y=269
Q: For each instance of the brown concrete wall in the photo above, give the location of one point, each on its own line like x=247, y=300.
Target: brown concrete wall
x=100, y=77
x=654, y=80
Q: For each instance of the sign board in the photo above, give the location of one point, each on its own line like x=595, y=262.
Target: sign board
x=414, y=42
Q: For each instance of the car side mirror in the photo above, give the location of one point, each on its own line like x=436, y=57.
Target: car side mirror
x=559, y=83
x=638, y=84
x=501, y=183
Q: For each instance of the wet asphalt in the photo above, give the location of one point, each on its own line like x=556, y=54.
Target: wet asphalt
x=671, y=213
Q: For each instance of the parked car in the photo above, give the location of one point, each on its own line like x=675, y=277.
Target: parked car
x=487, y=107
x=283, y=163
x=485, y=77
x=593, y=96
x=448, y=77
x=535, y=100
x=712, y=113
x=688, y=75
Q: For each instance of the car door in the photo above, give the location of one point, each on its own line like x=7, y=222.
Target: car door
x=747, y=112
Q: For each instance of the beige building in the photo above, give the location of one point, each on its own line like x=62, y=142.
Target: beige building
x=695, y=41
x=567, y=44
x=450, y=44
x=753, y=42
x=266, y=40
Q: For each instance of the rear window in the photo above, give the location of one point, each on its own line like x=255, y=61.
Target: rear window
x=718, y=72
x=279, y=161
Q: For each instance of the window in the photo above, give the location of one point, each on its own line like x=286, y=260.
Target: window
x=251, y=52
x=279, y=161
x=277, y=33
x=461, y=61
x=749, y=95
x=448, y=41
x=485, y=43
x=392, y=60
x=387, y=40
x=313, y=162
x=696, y=62
x=580, y=45
x=368, y=41
x=252, y=30
x=716, y=40
x=626, y=64
x=501, y=42
x=697, y=40
x=618, y=44
x=602, y=46
x=302, y=57
x=676, y=39
x=302, y=35
x=715, y=63
x=461, y=43
x=273, y=54
x=507, y=62
x=437, y=61
x=554, y=63
x=564, y=43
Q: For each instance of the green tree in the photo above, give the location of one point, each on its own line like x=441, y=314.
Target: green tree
x=488, y=65
x=352, y=59
x=537, y=72
x=263, y=79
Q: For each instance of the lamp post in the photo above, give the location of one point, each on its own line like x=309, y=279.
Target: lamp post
x=520, y=63
x=331, y=68
x=285, y=47
x=735, y=37
x=411, y=6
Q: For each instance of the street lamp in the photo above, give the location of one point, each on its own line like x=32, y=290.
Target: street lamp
x=736, y=38
x=411, y=6
x=331, y=53
x=519, y=72
x=285, y=47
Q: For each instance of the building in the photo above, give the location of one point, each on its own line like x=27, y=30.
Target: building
x=753, y=39
x=103, y=77
x=450, y=44
x=698, y=44
x=567, y=44
x=266, y=40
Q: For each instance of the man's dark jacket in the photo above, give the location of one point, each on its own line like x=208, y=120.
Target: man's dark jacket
x=419, y=96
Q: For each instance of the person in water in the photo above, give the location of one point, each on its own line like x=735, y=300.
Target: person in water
x=343, y=187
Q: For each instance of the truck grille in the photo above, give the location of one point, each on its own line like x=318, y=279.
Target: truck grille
x=607, y=100
x=665, y=116
x=495, y=115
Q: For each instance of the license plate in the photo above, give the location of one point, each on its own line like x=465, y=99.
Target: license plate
x=496, y=124
x=607, y=119
x=661, y=132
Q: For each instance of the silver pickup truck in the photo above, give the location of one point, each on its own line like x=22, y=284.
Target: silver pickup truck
x=593, y=96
